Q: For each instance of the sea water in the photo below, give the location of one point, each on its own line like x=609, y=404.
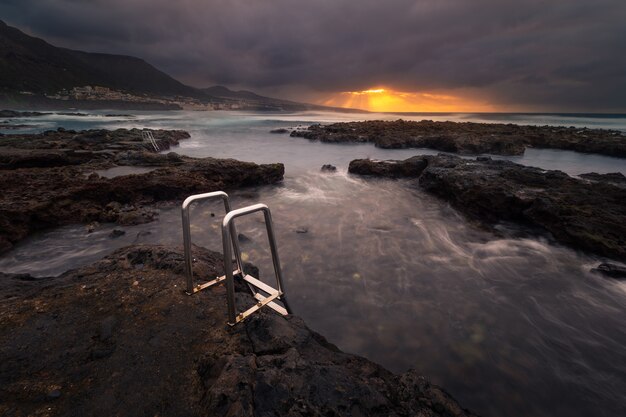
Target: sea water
x=510, y=325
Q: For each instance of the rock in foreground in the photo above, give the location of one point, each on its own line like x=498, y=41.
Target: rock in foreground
x=469, y=138
x=584, y=215
x=120, y=338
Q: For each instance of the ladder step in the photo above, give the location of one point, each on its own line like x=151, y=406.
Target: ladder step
x=276, y=307
x=261, y=285
x=256, y=307
x=217, y=280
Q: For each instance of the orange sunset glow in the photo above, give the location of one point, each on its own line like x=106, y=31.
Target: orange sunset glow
x=386, y=100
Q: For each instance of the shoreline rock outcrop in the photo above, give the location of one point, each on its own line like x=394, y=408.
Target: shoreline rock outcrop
x=120, y=337
x=577, y=213
x=48, y=180
x=468, y=138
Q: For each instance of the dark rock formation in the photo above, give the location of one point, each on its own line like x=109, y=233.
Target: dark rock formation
x=412, y=167
x=328, y=168
x=67, y=147
x=35, y=198
x=9, y=126
x=12, y=113
x=591, y=217
x=469, y=138
x=73, y=114
x=615, y=178
x=47, y=179
x=279, y=131
x=611, y=270
x=117, y=233
x=115, y=339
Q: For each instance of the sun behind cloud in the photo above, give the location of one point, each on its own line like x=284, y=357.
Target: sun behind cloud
x=386, y=100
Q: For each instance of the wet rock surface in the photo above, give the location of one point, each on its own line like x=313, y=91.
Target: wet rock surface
x=13, y=113
x=611, y=270
x=412, y=167
x=63, y=147
x=328, y=168
x=469, y=138
x=577, y=213
x=114, y=339
x=47, y=180
x=615, y=178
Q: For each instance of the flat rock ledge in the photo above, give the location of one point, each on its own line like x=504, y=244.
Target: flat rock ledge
x=583, y=214
x=48, y=180
x=468, y=138
x=120, y=338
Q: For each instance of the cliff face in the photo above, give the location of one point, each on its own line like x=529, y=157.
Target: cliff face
x=120, y=338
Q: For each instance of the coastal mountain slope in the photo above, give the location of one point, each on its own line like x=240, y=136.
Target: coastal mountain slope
x=33, y=65
x=253, y=99
x=267, y=103
x=34, y=73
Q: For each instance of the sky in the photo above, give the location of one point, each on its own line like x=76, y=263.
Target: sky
x=394, y=55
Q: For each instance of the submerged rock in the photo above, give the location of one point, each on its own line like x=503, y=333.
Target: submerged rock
x=99, y=336
x=328, y=168
x=279, y=131
x=13, y=113
x=243, y=238
x=591, y=217
x=117, y=233
x=468, y=138
x=611, y=270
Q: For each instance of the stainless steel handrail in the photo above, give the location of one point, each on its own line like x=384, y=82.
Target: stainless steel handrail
x=187, y=236
x=149, y=137
x=227, y=237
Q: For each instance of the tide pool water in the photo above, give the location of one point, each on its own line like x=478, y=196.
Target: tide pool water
x=509, y=325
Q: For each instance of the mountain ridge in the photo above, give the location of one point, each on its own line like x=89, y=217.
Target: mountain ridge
x=31, y=64
x=35, y=73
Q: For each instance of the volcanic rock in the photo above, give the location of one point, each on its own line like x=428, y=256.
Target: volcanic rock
x=611, y=270
x=47, y=179
x=117, y=340
x=468, y=138
x=591, y=217
x=13, y=114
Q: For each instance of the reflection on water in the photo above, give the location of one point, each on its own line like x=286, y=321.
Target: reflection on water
x=511, y=326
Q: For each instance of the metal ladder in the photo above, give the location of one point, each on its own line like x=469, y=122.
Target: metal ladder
x=147, y=137
x=263, y=293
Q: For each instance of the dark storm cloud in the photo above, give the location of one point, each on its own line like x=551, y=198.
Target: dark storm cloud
x=559, y=54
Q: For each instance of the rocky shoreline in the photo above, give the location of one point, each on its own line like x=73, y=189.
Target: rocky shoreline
x=120, y=337
x=48, y=179
x=586, y=214
x=468, y=138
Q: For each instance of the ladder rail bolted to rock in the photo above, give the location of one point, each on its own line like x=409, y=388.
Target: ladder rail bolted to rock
x=191, y=289
x=272, y=293
x=148, y=137
x=263, y=293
